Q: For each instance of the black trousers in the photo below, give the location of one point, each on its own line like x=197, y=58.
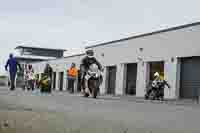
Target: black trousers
x=12, y=80
x=31, y=84
x=71, y=85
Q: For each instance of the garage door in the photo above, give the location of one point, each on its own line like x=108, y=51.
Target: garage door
x=131, y=78
x=190, y=76
x=111, y=79
x=61, y=81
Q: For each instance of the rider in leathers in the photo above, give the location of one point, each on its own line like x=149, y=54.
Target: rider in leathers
x=85, y=64
x=157, y=82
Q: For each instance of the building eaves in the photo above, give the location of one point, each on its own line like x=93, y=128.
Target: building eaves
x=20, y=46
x=74, y=55
x=146, y=34
x=34, y=57
x=63, y=57
x=23, y=58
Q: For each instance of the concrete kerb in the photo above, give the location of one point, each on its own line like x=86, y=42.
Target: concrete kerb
x=129, y=98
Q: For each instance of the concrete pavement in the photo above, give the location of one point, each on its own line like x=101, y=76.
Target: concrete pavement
x=62, y=112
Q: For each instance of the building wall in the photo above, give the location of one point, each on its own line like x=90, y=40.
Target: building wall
x=158, y=47
x=59, y=65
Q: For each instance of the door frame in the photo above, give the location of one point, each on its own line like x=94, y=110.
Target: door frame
x=54, y=80
x=126, y=78
x=149, y=68
x=61, y=81
x=108, y=79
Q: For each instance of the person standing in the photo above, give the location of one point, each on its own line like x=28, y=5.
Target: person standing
x=49, y=71
x=12, y=64
x=25, y=77
x=79, y=81
x=72, y=75
x=30, y=77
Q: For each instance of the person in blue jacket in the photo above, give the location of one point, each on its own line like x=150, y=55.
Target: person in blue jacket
x=12, y=64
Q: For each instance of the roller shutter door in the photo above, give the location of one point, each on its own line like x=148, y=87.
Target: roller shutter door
x=190, y=76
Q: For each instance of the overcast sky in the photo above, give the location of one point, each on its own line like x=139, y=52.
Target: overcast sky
x=76, y=23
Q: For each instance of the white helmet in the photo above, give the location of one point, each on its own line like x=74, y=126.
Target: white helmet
x=156, y=74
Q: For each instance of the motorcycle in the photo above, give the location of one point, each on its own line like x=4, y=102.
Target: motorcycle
x=94, y=81
x=156, y=90
x=45, y=84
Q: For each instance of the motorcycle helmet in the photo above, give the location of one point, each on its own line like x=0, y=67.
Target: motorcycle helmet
x=90, y=53
x=156, y=74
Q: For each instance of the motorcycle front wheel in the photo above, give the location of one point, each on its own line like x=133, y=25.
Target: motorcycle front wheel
x=152, y=95
x=86, y=95
x=93, y=85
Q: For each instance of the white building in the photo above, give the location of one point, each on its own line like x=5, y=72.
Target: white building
x=59, y=67
x=130, y=62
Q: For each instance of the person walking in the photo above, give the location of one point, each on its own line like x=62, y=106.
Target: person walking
x=72, y=75
x=12, y=64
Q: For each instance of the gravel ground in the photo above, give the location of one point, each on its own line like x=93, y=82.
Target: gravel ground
x=64, y=113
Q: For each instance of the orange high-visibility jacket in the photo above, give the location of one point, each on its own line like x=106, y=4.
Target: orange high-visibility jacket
x=73, y=72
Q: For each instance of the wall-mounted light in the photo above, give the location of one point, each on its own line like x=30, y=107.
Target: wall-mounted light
x=172, y=59
x=143, y=63
x=141, y=49
x=139, y=58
